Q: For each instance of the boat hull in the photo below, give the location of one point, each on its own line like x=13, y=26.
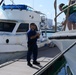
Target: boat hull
x=8, y=56
x=69, y=55
x=9, y=51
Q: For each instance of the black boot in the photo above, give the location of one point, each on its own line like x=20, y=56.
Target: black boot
x=36, y=63
x=29, y=64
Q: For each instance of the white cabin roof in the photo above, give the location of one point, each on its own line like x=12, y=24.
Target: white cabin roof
x=12, y=13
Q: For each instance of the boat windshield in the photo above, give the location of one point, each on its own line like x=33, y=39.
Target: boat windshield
x=6, y=27
x=23, y=27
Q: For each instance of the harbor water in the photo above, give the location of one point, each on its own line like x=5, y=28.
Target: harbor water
x=65, y=70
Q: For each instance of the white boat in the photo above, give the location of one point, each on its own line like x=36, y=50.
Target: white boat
x=14, y=24
x=64, y=40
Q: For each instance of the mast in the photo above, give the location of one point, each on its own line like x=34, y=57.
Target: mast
x=33, y=4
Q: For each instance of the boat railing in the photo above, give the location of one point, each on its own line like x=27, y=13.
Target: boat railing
x=64, y=10
x=56, y=15
x=44, y=68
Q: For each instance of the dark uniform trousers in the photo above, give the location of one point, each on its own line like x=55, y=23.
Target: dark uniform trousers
x=32, y=49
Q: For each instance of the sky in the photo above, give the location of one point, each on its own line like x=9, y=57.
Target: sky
x=44, y=6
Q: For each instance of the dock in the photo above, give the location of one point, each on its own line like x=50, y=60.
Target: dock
x=19, y=66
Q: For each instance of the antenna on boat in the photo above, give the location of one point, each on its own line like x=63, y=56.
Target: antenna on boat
x=33, y=3
x=1, y=2
x=12, y=2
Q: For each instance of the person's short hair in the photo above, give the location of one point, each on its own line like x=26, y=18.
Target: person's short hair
x=32, y=24
x=61, y=5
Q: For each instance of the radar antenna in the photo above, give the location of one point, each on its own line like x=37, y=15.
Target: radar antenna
x=12, y=1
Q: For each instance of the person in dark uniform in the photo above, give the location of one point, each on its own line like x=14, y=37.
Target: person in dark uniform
x=32, y=36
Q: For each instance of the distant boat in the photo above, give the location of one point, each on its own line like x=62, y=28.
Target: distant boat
x=14, y=23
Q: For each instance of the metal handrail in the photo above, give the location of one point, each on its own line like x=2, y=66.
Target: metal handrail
x=40, y=71
x=55, y=6
x=64, y=10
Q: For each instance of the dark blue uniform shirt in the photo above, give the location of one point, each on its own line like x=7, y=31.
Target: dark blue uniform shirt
x=32, y=42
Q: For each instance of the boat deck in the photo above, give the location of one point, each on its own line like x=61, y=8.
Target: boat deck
x=19, y=66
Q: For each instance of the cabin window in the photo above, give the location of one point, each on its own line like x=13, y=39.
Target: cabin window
x=23, y=27
x=7, y=27
x=29, y=8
